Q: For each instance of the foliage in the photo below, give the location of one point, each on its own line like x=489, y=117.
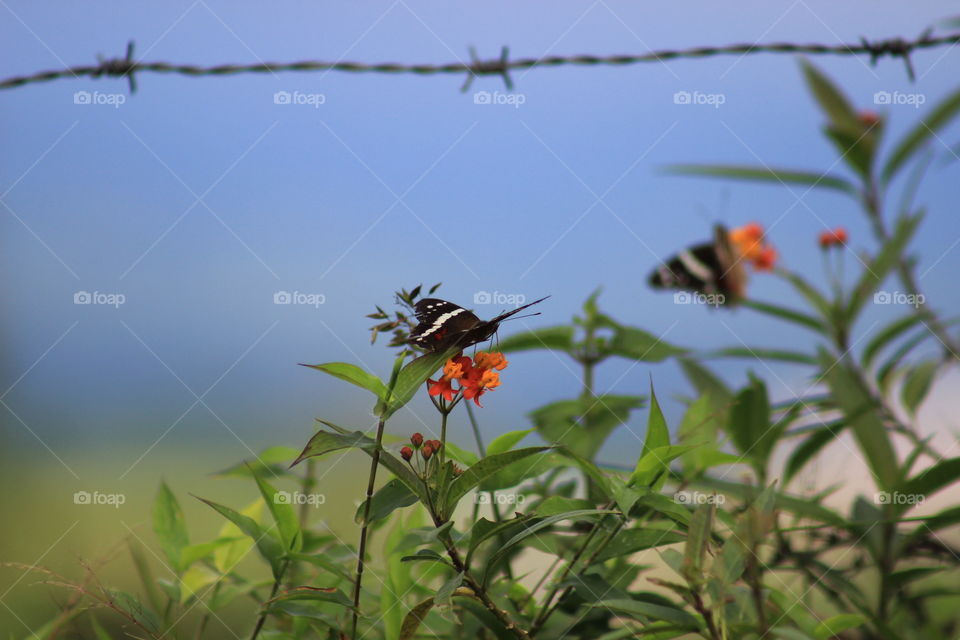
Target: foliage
x=752, y=557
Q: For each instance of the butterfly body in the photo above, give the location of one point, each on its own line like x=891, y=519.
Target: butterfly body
x=710, y=268
x=444, y=325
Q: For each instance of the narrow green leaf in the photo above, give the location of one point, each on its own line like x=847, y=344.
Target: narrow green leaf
x=267, y=545
x=553, y=338
x=648, y=611
x=411, y=378
x=889, y=256
x=760, y=353
x=919, y=135
x=810, y=447
x=836, y=625
x=507, y=441
x=766, y=174
x=637, y=344
x=796, y=317
x=633, y=540
x=698, y=538
x=932, y=479
x=917, y=384
x=658, y=435
x=750, y=423
x=888, y=334
x=485, y=468
x=832, y=101
x=279, y=506
x=413, y=619
x=865, y=419
x=354, y=375
x=314, y=594
x=170, y=526
x=388, y=498
x=445, y=593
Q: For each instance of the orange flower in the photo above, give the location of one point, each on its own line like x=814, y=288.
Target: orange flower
x=443, y=387
x=869, y=118
x=766, y=260
x=833, y=237
x=484, y=360
x=748, y=240
x=478, y=384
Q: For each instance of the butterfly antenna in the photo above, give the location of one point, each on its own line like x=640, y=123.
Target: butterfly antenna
x=529, y=315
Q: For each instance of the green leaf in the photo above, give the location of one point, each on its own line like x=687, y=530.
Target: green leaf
x=278, y=504
x=809, y=292
x=314, y=594
x=804, y=507
x=888, y=334
x=226, y=557
x=750, y=423
x=485, y=468
x=836, y=625
x=354, y=375
x=767, y=174
x=932, y=479
x=796, y=317
x=631, y=541
x=170, y=526
x=507, y=441
x=273, y=460
x=583, y=424
x=531, y=529
x=554, y=338
x=831, y=100
x=864, y=417
x=411, y=378
x=132, y=606
x=885, y=373
x=648, y=611
x=658, y=435
x=267, y=545
x=706, y=382
x=917, y=384
x=325, y=442
x=651, y=469
x=413, y=619
x=388, y=498
x=917, y=137
x=888, y=258
x=637, y=344
x=810, y=447
x=194, y=580
x=857, y=147
x=445, y=593
x=698, y=538
x=760, y=353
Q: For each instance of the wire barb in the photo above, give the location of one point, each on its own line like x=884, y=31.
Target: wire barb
x=127, y=67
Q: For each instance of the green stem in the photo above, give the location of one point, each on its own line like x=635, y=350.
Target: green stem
x=307, y=486
x=273, y=594
x=206, y=616
x=362, y=547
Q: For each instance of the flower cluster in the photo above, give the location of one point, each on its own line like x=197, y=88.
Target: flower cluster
x=474, y=377
x=426, y=447
x=748, y=241
x=833, y=238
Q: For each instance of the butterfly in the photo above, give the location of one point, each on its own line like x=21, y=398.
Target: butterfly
x=444, y=325
x=710, y=268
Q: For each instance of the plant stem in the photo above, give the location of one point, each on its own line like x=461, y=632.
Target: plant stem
x=206, y=615
x=307, y=487
x=273, y=594
x=362, y=547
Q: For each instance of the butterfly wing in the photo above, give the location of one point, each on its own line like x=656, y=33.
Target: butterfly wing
x=708, y=268
x=441, y=325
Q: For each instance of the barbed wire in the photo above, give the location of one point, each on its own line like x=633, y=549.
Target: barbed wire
x=127, y=67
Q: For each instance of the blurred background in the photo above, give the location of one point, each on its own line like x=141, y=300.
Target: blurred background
x=148, y=240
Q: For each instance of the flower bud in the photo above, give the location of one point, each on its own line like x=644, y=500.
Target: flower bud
x=435, y=444
x=426, y=452
x=406, y=453
x=417, y=440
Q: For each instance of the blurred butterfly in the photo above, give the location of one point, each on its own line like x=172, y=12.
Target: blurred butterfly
x=444, y=325
x=709, y=268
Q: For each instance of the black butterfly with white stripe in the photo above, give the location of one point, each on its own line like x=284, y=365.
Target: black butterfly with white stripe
x=444, y=325
x=709, y=268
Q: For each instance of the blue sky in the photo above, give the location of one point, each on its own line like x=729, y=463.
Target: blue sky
x=197, y=199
